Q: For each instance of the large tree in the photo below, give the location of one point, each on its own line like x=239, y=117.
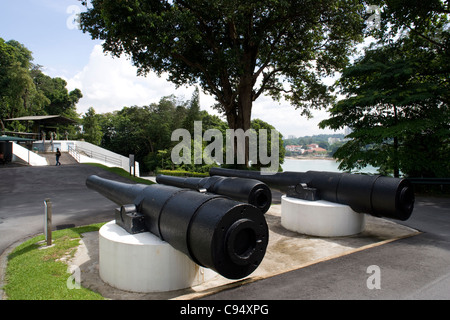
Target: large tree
x=18, y=93
x=62, y=102
x=235, y=50
x=397, y=103
x=26, y=91
x=91, y=127
x=427, y=20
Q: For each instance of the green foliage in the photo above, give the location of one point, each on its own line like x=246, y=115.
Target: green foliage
x=146, y=132
x=183, y=173
x=18, y=93
x=143, y=131
x=193, y=112
x=62, y=102
x=397, y=103
x=234, y=50
x=91, y=127
x=427, y=20
x=26, y=91
x=258, y=124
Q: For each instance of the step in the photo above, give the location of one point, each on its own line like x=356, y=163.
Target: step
x=65, y=159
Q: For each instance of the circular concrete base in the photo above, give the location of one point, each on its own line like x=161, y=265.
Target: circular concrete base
x=144, y=263
x=320, y=218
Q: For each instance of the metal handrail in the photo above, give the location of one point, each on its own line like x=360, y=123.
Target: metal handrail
x=74, y=153
x=99, y=156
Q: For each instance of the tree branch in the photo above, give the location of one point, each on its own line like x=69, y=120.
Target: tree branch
x=266, y=80
x=214, y=90
x=440, y=45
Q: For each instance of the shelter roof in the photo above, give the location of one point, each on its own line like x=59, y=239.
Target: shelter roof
x=45, y=119
x=9, y=138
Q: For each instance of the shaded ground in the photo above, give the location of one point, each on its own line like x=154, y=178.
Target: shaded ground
x=23, y=190
x=286, y=251
x=412, y=268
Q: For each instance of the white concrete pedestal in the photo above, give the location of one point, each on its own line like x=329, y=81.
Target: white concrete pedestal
x=144, y=263
x=320, y=218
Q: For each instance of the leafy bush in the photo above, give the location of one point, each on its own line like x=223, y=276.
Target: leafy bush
x=182, y=173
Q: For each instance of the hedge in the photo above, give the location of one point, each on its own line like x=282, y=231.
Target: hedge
x=182, y=173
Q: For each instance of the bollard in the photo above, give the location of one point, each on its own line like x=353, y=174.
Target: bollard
x=48, y=221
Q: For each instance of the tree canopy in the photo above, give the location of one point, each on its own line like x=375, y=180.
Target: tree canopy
x=397, y=96
x=26, y=91
x=235, y=50
x=146, y=131
x=18, y=93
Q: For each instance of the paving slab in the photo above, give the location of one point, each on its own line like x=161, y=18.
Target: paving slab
x=286, y=251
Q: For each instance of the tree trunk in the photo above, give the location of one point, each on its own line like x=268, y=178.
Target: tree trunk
x=395, y=156
x=239, y=115
x=396, y=162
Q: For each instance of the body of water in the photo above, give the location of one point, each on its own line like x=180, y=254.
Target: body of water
x=303, y=165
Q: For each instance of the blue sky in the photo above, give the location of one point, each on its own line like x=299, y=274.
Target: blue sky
x=46, y=28
x=42, y=26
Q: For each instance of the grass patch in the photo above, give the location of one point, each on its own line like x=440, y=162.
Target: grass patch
x=121, y=172
x=34, y=272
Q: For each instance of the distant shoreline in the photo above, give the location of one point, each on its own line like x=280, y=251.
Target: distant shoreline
x=309, y=158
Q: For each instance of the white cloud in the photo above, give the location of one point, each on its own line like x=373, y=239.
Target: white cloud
x=109, y=84
x=287, y=120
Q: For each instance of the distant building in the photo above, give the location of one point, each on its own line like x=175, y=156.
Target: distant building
x=294, y=148
x=314, y=148
x=311, y=148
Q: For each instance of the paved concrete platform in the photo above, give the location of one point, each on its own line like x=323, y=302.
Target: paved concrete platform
x=410, y=268
x=414, y=267
x=287, y=251
x=23, y=191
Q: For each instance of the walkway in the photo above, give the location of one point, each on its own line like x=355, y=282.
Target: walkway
x=65, y=159
x=24, y=189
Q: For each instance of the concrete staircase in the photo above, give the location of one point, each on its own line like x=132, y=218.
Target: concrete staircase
x=65, y=159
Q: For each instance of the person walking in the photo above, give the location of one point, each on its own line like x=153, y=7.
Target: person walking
x=58, y=155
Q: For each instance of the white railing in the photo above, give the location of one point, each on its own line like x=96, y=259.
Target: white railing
x=84, y=152
x=87, y=152
x=74, y=153
x=102, y=156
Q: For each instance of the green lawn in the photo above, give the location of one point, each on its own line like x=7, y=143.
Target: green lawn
x=33, y=272
x=121, y=172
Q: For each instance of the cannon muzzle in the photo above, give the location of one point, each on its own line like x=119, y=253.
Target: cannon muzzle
x=250, y=191
x=372, y=194
x=214, y=231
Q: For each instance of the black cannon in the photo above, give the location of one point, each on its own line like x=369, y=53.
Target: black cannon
x=372, y=194
x=214, y=231
x=251, y=191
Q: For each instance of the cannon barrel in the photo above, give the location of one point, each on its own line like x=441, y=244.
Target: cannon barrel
x=214, y=231
x=250, y=191
x=372, y=194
